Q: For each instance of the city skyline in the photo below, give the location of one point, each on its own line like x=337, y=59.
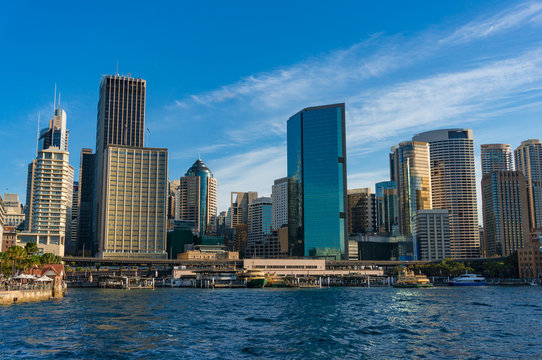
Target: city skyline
x=493, y=88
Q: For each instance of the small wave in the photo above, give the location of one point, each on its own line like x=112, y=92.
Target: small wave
x=258, y=319
x=480, y=304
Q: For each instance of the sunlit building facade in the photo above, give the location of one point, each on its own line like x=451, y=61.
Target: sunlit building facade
x=317, y=189
x=133, y=220
x=506, y=215
x=412, y=173
x=496, y=157
x=453, y=186
x=49, y=200
x=528, y=158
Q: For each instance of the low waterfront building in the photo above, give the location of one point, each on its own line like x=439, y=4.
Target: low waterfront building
x=208, y=252
x=530, y=260
x=303, y=267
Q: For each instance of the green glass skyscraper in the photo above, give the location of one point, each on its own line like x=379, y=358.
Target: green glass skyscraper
x=317, y=220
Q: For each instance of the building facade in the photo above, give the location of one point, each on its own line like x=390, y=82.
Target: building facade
x=197, y=197
x=432, y=235
x=14, y=215
x=496, y=157
x=360, y=211
x=239, y=207
x=279, y=197
x=453, y=186
x=260, y=217
x=56, y=135
x=317, y=198
x=412, y=174
x=85, y=244
x=120, y=121
x=506, y=215
x=133, y=220
x=528, y=158
x=49, y=200
x=387, y=220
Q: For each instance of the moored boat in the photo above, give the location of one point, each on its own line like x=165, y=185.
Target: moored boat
x=407, y=279
x=468, y=280
x=274, y=280
x=253, y=278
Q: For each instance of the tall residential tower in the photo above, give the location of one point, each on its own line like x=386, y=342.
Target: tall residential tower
x=453, y=186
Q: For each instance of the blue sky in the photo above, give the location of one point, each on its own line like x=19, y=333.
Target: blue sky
x=223, y=77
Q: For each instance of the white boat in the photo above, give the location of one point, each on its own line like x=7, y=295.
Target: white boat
x=468, y=280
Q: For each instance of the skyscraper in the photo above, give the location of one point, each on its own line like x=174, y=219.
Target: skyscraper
x=131, y=184
x=387, y=221
x=453, y=186
x=317, y=198
x=496, y=157
x=198, y=197
x=49, y=200
x=56, y=135
x=506, y=215
x=528, y=158
x=279, y=196
x=412, y=174
x=121, y=121
x=85, y=245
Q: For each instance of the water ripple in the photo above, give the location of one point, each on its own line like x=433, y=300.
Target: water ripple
x=334, y=323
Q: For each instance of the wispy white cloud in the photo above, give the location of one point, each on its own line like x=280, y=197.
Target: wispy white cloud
x=392, y=86
x=249, y=171
x=508, y=19
x=442, y=99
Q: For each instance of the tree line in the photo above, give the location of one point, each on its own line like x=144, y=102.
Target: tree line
x=18, y=258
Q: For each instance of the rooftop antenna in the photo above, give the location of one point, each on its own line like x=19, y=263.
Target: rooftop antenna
x=38, y=135
x=117, y=67
x=59, y=99
x=54, y=101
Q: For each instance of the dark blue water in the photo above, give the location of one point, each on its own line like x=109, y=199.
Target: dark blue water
x=334, y=323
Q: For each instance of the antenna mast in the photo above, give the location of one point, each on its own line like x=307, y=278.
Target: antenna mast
x=38, y=135
x=54, y=101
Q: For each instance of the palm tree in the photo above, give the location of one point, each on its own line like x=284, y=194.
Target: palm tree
x=31, y=248
x=17, y=254
x=49, y=258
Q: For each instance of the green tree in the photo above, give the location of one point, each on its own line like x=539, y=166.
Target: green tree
x=49, y=258
x=17, y=255
x=31, y=248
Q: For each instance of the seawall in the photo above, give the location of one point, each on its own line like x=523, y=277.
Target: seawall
x=17, y=296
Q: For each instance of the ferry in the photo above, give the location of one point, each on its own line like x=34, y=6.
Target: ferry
x=407, y=279
x=274, y=280
x=468, y=280
x=253, y=278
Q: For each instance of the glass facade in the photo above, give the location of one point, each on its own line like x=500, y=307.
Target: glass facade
x=413, y=175
x=317, y=182
x=386, y=207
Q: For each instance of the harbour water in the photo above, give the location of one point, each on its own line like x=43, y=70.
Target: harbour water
x=327, y=323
